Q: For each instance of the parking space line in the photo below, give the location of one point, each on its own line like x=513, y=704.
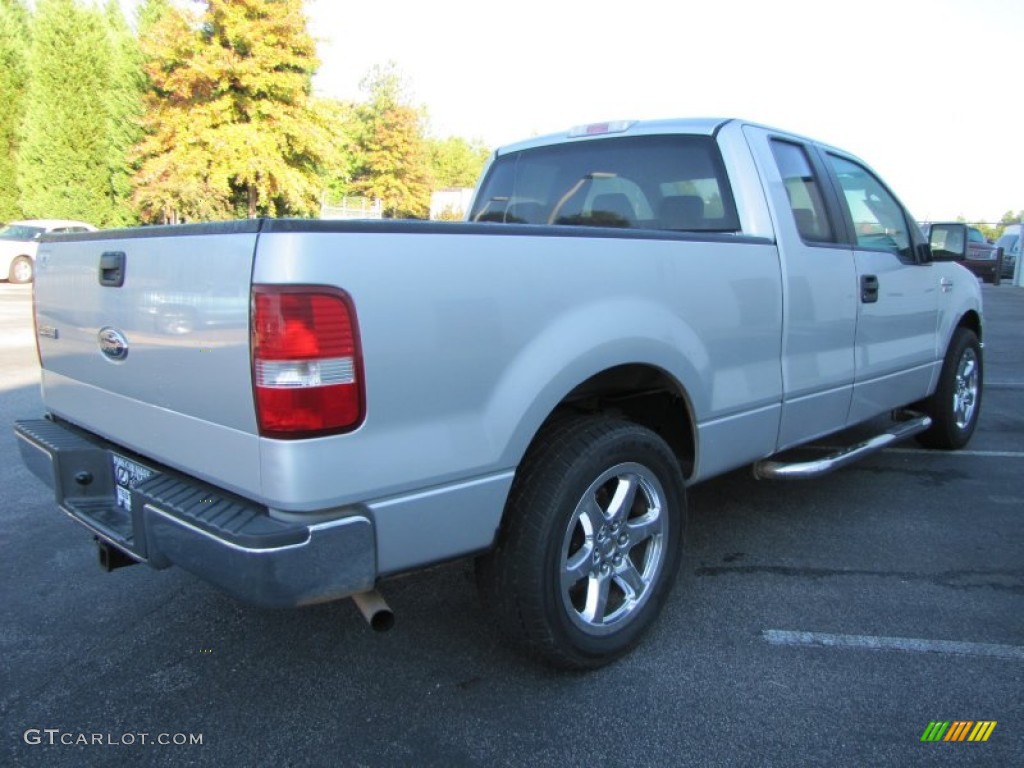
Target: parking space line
x=930, y=452
x=876, y=643
x=1011, y=385
x=987, y=454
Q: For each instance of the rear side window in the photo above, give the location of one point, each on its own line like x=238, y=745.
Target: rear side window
x=651, y=182
x=803, y=189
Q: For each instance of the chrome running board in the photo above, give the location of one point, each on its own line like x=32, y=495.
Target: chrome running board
x=767, y=469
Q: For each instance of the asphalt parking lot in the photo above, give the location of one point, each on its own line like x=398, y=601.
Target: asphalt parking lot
x=826, y=622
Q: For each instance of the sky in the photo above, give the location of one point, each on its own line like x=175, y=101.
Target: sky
x=927, y=93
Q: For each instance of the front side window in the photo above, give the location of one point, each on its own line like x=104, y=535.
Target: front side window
x=670, y=182
x=878, y=220
x=803, y=191
x=975, y=236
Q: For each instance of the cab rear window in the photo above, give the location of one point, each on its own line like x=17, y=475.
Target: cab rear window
x=669, y=182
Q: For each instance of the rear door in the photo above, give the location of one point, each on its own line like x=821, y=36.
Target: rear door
x=897, y=296
x=820, y=311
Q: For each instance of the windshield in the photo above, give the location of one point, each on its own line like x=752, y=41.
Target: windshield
x=20, y=232
x=1009, y=243
x=667, y=182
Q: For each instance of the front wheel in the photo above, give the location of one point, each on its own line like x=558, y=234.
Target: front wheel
x=590, y=543
x=956, y=404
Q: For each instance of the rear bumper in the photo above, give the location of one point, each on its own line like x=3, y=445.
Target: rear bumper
x=162, y=517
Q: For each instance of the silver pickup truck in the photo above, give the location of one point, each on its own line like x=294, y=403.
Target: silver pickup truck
x=631, y=308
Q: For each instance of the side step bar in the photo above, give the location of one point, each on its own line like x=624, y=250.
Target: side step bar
x=766, y=469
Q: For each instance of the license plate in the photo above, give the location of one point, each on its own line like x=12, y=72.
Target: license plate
x=127, y=475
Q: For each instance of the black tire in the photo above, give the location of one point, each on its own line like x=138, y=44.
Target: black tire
x=22, y=270
x=956, y=403
x=630, y=554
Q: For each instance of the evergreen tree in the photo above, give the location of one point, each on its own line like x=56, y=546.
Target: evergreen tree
x=148, y=13
x=64, y=164
x=123, y=98
x=14, y=44
x=231, y=124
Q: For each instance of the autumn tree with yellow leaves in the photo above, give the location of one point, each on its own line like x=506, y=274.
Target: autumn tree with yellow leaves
x=231, y=126
x=393, y=156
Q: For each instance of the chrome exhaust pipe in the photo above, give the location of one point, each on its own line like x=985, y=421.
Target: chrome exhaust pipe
x=375, y=610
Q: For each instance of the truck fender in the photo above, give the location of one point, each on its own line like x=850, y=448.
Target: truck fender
x=601, y=335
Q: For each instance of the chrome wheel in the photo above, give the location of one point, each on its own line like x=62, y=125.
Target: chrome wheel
x=955, y=404
x=590, y=543
x=965, y=389
x=613, y=548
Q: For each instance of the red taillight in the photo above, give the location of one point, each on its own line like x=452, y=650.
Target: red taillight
x=307, y=365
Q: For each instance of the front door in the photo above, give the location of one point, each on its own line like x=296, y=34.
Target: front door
x=898, y=301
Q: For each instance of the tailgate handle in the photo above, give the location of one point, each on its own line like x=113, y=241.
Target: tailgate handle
x=869, y=289
x=112, y=269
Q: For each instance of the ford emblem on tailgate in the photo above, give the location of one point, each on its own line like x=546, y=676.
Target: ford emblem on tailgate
x=113, y=344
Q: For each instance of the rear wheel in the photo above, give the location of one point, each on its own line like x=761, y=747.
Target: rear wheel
x=21, y=270
x=590, y=544
x=956, y=404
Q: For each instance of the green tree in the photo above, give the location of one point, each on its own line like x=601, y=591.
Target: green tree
x=148, y=13
x=456, y=162
x=344, y=126
x=14, y=44
x=393, y=155
x=123, y=98
x=19, y=9
x=67, y=157
x=1011, y=218
x=231, y=125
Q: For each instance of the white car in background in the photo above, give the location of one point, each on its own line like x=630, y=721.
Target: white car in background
x=19, y=242
x=1010, y=243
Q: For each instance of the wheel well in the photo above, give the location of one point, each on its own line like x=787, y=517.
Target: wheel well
x=642, y=394
x=971, y=321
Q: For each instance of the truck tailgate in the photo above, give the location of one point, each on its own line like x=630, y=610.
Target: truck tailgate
x=156, y=357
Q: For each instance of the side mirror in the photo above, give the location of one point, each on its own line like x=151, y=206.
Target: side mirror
x=948, y=242
x=924, y=253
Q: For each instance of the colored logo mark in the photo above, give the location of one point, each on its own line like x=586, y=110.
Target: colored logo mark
x=959, y=730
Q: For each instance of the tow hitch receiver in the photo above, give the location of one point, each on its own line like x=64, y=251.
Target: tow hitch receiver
x=111, y=557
